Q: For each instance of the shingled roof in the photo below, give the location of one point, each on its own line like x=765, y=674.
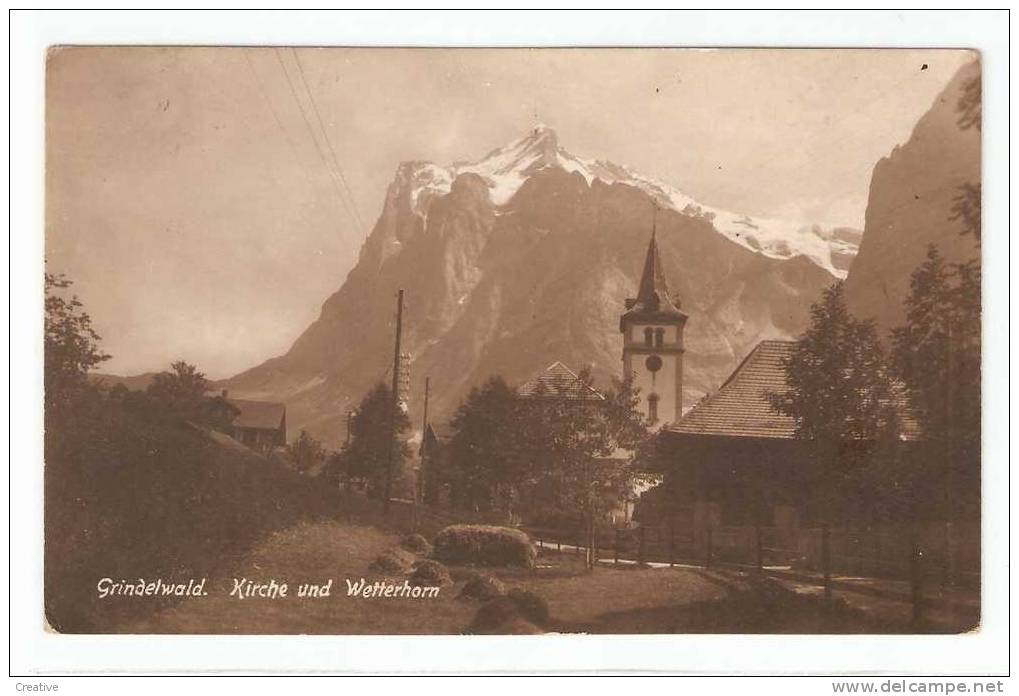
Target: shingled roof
x=740, y=407
x=558, y=382
x=264, y=415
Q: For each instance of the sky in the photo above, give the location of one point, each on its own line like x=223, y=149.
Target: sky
x=206, y=201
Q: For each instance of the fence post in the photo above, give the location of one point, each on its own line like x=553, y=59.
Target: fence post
x=615, y=549
x=672, y=542
x=949, y=562
x=640, y=545
x=826, y=561
x=760, y=550
x=916, y=581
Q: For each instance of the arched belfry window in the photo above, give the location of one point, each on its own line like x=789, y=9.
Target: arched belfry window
x=648, y=334
x=659, y=337
x=652, y=408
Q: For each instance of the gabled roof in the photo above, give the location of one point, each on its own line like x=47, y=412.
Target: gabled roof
x=653, y=301
x=740, y=407
x=265, y=415
x=440, y=431
x=558, y=382
x=436, y=435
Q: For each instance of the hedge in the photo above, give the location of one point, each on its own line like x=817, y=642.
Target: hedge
x=475, y=544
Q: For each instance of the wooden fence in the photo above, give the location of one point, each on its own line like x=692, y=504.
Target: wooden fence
x=942, y=552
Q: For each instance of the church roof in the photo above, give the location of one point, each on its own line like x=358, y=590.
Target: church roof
x=558, y=382
x=740, y=407
x=654, y=301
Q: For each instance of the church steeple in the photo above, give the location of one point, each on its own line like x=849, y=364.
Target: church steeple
x=652, y=328
x=654, y=301
x=654, y=288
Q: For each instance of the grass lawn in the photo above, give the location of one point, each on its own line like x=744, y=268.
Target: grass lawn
x=608, y=599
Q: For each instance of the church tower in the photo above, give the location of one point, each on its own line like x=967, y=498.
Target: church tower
x=652, y=328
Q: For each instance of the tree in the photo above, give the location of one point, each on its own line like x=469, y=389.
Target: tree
x=969, y=104
x=306, y=452
x=180, y=391
x=571, y=445
x=936, y=354
x=71, y=346
x=838, y=387
x=367, y=457
x=486, y=468
x=966, y=209
x=966, y=206
x=839, y=395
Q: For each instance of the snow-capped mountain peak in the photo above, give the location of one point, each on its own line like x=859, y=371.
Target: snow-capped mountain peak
x=507, y=168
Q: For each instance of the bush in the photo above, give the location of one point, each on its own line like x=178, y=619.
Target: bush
x=395, y=560
x=416, y=544
x=501, y=616
x=477, y=544
x=128, y=491
x=531, y=606
x=430, y=574
x=483, y=587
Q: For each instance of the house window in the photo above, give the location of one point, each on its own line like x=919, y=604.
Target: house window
x=659, y=337
x=648, y=333
x=652, y=408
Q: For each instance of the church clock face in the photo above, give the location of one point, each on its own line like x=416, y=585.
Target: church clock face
x=653, y=363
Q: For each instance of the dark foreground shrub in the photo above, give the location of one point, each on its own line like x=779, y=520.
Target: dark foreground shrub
x=130, y=493
x=395, y=560
x=531, y=606
x=501, y=616
x=475, y=544
x=430, y=574
x=482, y=587
x=416, y=543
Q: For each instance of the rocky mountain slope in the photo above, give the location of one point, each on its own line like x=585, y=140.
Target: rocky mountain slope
x=912, y=193
x=525, y=257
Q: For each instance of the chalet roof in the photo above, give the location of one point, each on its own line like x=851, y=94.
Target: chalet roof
x=740, y=407
x=654, y=301
x=264, y=415
x=558, y=382
x=439, y=433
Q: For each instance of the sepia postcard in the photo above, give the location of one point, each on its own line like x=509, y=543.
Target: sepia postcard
x=466, y=341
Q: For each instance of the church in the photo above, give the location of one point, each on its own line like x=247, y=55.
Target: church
x=732, y=459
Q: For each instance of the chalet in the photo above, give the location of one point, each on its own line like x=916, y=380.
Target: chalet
x=735, y=460
x=434, y=456
x=261, y=425
x=559, y=382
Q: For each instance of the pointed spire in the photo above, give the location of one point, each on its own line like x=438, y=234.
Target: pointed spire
x=654, y=289
x=653, y=296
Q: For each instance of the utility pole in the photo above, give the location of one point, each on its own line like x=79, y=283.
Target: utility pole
x=419, y=491
x=396, y=403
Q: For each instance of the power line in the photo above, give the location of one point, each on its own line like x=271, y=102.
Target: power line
x=314, y=140
x=272, y=110
x=325, y=136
